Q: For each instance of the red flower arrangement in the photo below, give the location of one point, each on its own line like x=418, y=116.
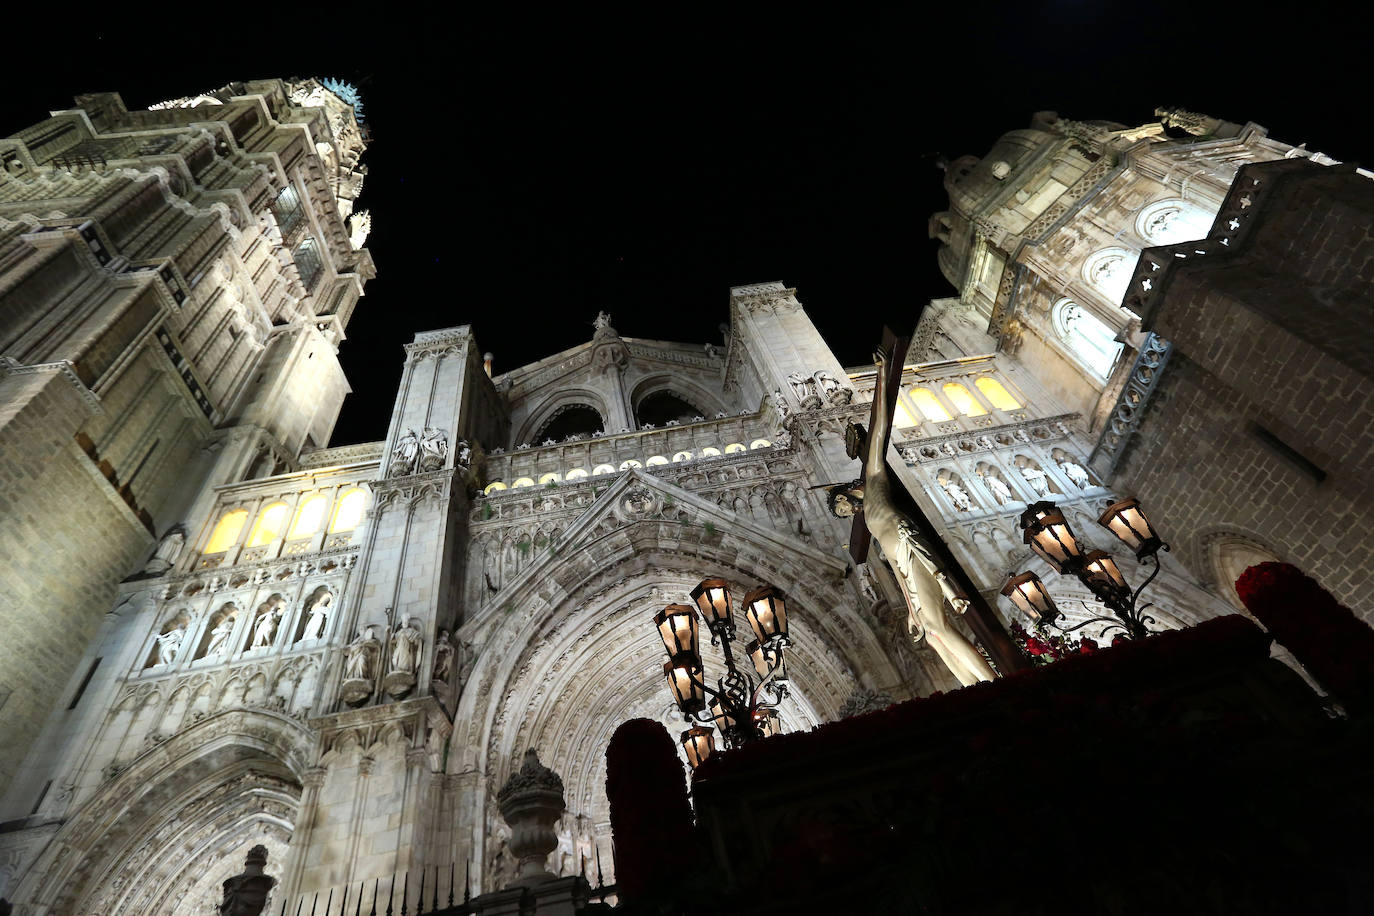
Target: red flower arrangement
x=1329, y=640
x=1044, y=648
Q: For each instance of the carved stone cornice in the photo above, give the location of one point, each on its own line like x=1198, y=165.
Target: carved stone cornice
x=362, y=453
x=433, y=344
x=413, y=489
x=64, y=369
x=1028, y=430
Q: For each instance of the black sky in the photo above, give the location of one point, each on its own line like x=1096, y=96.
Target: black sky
x=525, y=175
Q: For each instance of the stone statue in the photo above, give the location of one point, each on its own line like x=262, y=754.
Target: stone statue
x=359, y=225
x=602, y=321
x=219, y=637
x=169, y=644
x=829, y=389
x=319, y=616
x=405, y=648
x=1076, y=473
x=245, y=894
x=404, y=454
x=361, y=654
x=1000, y=491
x=924, y=584
x=958, y=496
x=1036, y=478
x=443, y=657
x=433, y=449
x=168, y=551
x=801, y=386
x=264, y=628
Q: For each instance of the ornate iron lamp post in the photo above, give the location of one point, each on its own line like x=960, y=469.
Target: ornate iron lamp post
x=738, y=707
x=1047, y=532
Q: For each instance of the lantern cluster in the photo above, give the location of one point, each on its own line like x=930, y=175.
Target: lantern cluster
x=735, y=706
x=1047, y=533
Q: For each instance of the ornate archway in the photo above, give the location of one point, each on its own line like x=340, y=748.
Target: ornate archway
x=163, y=834
x=567, y=650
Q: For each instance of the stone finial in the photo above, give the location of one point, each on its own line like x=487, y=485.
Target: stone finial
x=531, y=802
x=245, y=894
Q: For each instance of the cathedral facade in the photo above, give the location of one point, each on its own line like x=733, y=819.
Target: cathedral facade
x=343, y=653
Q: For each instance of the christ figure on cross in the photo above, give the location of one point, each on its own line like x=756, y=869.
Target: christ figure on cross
x=924, y=584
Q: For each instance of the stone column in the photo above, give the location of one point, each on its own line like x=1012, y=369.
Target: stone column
x=531, y=802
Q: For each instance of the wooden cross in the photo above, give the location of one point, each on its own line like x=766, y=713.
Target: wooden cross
x=980, y=617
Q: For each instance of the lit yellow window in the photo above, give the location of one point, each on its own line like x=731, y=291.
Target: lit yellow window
x=494, y=486
x=998, y=396
x=901, y=417
x=227, y=531
x=928, y=406
x=734, y=447
x=963, y=401
x=760, y=443
x=309, y=516
x=655, y=460
x=348, y=514
x=631, y=463
x=576, y=474
x=270, y=525
x=683, y=456
x=603, y=469
x=710, y=451
x=523, y=482
x=550, y=477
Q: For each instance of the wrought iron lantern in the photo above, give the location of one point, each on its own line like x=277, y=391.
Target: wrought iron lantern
x=1047, y=532
x=1029, y=594
x=741, y=707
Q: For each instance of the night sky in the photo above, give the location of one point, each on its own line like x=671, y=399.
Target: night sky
x=525, y=176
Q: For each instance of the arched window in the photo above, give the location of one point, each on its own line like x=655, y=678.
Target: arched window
x=734, y=447
x=494, y=487
x=656, y=460
x=963, y=401
x=1168, y=222
x=309, y=517
x=682, y=456
x=348, y=514
x=603, y=469
x=522, y=482
x=661, y=407
x=902, y=418
x=572, y=419
x=1110, y=271
x=929, y=407
x=270, y=525
x=1090, y=340
x=996, y=394
x=550, y=477
x=631, y=463
x=575, y=474
x=710, y=451
x=760, y=443
x=227, y=532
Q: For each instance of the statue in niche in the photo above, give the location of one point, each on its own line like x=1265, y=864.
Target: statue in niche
x=924, y=584
x=362, y=652
x=319, y=616
x=602, y=321
x=168, y=551
x=958, y=496
x=801, y=387
x=405, y=648
x=265, y=627
x=1076, y=473
x=169, y=643
x=998, y=487
x=433, y=449
x=404, y=454
x=219, y=637
x=1036, y=478
x=830, y=389
x=443, y=657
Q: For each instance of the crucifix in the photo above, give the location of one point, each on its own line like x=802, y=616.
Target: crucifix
x=926, y=570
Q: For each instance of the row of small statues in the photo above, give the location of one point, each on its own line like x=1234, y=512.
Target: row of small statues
x=405, y=645
x=819, y=388
x=264, y=630
x=414, y=454
x=1002, y=493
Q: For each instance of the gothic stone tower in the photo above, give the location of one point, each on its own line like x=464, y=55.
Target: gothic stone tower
x=174, y=286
